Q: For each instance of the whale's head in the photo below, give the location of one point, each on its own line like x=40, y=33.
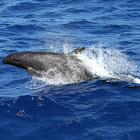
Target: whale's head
x=15, y=59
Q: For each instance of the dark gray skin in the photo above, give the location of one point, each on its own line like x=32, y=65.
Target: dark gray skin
x=37, y=62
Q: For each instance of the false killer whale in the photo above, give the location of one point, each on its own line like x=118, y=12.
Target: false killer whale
x=39, y=63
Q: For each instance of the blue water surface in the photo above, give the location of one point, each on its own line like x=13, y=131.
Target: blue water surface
x=90, y=110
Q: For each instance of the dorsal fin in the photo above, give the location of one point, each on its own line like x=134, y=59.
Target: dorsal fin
x=78, y=50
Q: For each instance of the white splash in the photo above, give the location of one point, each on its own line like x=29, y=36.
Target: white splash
x=110, y=63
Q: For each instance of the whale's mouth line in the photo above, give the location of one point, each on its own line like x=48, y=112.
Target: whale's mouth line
x=16, y=63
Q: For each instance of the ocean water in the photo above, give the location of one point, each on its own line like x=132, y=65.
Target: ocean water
x=103, y=108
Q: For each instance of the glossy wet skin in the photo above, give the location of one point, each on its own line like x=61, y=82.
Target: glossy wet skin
x=36, y=62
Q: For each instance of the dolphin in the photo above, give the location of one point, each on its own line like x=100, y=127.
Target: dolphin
x=39, y=63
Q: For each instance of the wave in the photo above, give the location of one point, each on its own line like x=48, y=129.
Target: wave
x=35, y=106
x=20, y=7
x=82, y=24
x=26, y=28
x=66, y=109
